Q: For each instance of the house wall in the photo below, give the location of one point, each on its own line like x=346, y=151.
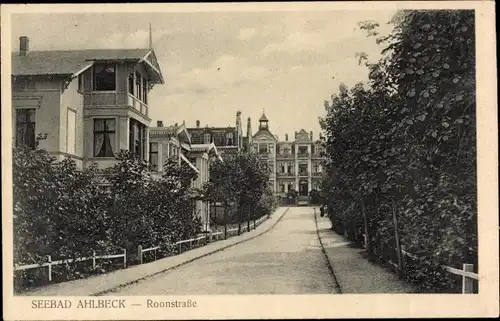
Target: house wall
x=72, y=99
x=45, y=96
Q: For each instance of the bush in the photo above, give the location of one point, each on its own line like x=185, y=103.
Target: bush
x=67, y=213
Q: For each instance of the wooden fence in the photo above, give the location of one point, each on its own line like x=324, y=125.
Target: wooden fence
x=467, y=271
x=181, y=246
x=51, y=263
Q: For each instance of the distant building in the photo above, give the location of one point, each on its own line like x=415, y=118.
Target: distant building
x=175, y=142
x=227, y=139
x=84, y=104
x=293, y=165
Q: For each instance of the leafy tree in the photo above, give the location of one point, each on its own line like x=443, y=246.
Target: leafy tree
x=407, y=140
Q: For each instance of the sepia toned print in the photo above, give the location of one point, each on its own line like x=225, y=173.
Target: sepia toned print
x=161, y=160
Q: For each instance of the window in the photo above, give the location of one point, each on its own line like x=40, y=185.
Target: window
x=153, y=155
x=145, y=90
x=282, y=188
x=290, y=186
x=104, y=77
x=316, y=168
x=138, y=90
x=137, y=142
x=271, y=148
x=25, y=127
x=262, y=148
x=131, y=84
x=282, y=169
x=206, y=139
x=71, y=132
x=290, y=169
x=80, y=83
x=104, y=137
x=229, y=139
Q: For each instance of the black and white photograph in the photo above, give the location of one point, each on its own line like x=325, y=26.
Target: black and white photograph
x=159, y=157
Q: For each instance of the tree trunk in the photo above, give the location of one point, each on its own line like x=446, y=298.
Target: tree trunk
x=399, y=251
x=240, y=219
x=367, y=237
x=225, y=221
x=248, y=218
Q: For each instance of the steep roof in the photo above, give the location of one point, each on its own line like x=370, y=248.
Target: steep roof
x=263, y=117
x=70, y=62
x=264, y=132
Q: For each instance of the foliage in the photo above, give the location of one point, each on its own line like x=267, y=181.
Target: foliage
x=408, y=139
x=65, y=212
x=238, y=179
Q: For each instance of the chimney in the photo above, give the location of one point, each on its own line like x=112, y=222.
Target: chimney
x=197, y=124
x=311, y=135
x=159, y=123
x=286, y=137
x=24, y=45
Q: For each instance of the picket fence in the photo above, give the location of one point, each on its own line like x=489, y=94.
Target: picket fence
x=467, y=271
x=193, y=242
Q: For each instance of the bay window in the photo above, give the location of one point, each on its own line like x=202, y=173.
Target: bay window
x=104, y=137
x=104, y=77
x=137, y=139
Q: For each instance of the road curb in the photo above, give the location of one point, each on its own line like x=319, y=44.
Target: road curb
x=338, y=288
x=116, y=287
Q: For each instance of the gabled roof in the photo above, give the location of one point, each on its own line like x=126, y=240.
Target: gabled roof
x=207, y=148
x=264, y=132
x=70, y=62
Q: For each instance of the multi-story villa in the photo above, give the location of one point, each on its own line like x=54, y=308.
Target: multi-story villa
x=227, y=139
x=85, y=104
x=175, y=142
x=293, y=165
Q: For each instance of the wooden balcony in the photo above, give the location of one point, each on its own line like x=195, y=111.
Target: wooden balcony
x=285, y=156
x=111, y=99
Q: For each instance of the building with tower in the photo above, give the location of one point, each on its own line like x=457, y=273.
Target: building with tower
x=294, y=165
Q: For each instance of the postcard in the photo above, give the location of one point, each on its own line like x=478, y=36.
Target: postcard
x=249, y=160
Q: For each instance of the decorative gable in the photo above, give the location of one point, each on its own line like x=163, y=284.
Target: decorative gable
x=302, y=135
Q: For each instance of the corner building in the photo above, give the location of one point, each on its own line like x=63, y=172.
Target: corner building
x=293, y=164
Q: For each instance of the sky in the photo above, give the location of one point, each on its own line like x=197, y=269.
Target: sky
x=285, y=63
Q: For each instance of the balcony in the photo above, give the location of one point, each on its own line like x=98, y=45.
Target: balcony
x=285, y=156
x=303, y=174
x=280, y=174
x=303, y=155
x=112, y=99
x=138, y=105
x=263, y=155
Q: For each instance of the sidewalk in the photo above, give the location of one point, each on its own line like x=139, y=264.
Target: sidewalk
x=353, y=272
x=96, y=285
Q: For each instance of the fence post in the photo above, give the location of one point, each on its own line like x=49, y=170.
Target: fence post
x=49, y=260
x=93, y=259
x=180, y=248
x=399, y=251
x=139, y=253
x=155, y=253
x=467, y=283
x=124, y=258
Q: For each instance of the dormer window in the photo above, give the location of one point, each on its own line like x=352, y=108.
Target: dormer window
x=206, y=139
x=104, y=77
x=229, y=138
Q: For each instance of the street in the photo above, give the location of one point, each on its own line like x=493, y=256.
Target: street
x=288, y=259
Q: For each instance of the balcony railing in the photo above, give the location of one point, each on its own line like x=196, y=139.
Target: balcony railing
x=138, y=104
x=303, y=155
x=303, y=173
x=280, y=174
x=285, y=156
